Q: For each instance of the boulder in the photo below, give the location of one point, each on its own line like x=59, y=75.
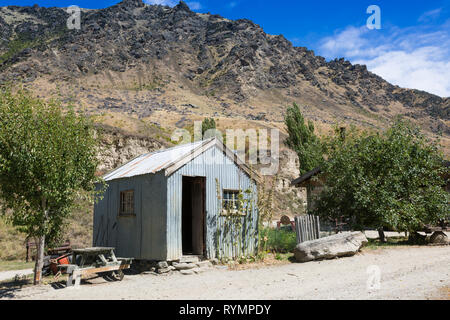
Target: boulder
x=338, y=245
x=439, y=237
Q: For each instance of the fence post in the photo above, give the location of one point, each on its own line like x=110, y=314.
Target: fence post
x=307, y=228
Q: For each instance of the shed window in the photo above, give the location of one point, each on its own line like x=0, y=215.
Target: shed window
x=230, y=201
x=127, y=203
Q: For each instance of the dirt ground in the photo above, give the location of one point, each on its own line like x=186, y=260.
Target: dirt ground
x=405, y=273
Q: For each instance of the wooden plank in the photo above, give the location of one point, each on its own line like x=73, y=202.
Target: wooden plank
x=303, y=229
x=104, y=269
x=308, y=229
x=300, y=229
x=93, y=250
x=318, y=227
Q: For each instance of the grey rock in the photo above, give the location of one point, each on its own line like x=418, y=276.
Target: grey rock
x=185, y=266
x=339, y=245
x=204, y=264
x=162, y=265
x=164, y=270
x=198, y=270
x=189, y=259
x=439, y=237
x=187, y=272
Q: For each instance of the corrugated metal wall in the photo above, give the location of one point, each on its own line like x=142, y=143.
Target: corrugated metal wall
x=139, y=237
x=223, y=239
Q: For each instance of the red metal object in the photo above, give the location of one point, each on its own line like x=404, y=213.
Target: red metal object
x=61, y=260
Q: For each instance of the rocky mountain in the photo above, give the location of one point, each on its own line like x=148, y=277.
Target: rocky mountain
x=134, y=63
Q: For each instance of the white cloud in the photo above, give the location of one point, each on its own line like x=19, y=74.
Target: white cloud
x=417, y=58
x=430, y=15
x=418, y=69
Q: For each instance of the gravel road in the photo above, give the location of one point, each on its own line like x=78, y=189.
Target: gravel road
x=406, y=273
x=6, y=275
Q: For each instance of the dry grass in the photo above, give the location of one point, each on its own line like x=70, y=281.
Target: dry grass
x=12, y=243
x=78, y=230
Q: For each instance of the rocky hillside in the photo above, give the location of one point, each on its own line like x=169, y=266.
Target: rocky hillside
x=144, y=70
x=134, y=63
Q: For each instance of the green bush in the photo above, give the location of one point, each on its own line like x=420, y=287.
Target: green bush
x=282, y=241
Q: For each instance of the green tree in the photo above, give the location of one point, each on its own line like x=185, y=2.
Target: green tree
x=208, y=123
x=303, y=140
x=383, y=180
x=47, y=160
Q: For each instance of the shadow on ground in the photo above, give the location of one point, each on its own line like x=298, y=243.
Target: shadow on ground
x=9, y=289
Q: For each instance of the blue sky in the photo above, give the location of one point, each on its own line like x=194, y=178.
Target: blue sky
x=412, y=48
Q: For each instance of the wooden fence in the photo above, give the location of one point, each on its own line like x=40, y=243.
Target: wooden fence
x=307, y=228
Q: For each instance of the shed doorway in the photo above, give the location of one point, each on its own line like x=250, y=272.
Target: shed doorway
x=194, y=216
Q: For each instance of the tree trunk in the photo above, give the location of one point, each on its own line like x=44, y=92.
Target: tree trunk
x=40, y=249
x=381, y=234
x=39, y=260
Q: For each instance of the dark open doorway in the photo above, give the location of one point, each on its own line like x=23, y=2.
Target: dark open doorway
x=193, y=216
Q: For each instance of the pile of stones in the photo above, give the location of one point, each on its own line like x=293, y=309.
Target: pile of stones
x=187, y=265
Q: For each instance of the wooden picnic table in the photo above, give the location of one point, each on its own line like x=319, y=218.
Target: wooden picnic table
x=95, y=260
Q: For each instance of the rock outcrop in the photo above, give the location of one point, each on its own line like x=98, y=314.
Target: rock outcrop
x=231, y=62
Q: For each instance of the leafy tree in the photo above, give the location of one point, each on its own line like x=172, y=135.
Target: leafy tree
x=303, y=140
x=47, y=159
x=208, y=123
x=391, y=180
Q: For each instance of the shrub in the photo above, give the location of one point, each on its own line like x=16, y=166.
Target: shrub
x=281, y=241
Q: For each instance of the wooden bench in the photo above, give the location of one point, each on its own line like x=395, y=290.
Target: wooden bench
x=94, y=260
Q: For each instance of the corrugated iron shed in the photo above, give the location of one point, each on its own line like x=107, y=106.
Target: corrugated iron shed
x=154, y=230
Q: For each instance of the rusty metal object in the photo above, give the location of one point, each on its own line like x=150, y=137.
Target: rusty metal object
x=285, y=220
x=65, y=248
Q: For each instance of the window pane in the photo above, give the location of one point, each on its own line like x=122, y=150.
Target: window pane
x=127, y=202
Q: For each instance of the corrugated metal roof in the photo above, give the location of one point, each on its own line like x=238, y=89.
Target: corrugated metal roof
x=154, y=162
x=306, y=176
